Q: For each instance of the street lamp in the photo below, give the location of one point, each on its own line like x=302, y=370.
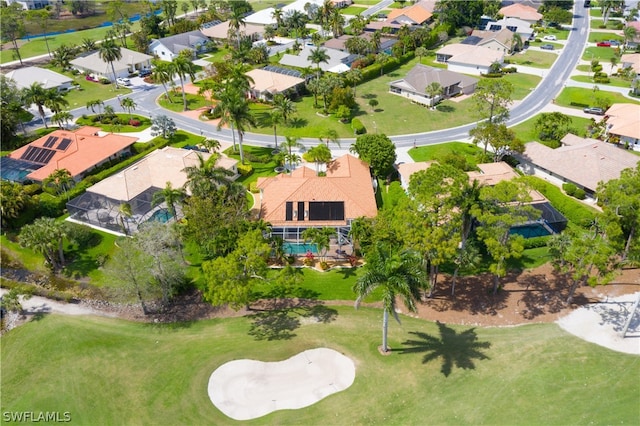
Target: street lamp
x=375, y=128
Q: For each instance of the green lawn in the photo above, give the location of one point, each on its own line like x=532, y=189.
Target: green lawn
x=353, y=10
x=527, y=133
x=533, y=58
x=91, y=90
x=595, y=37
x=612, y=24
x=560, y=34
x=523, y=84
x=109, y=371
x=596, y=13
x=588, y=97
x=145, y=122
x=193, y=101
x=439, y=151
x=37, y=46
x=602, y=54
x=614, y=81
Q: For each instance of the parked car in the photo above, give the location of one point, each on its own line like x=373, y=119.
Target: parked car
x=614, y=43
x=144, y=73
x=603, y=44
x=593, y=110
x=550, y=37
x=124, y=81
x=547, y=47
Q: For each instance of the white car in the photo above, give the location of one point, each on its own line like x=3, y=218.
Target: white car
x=549, y=37
x=123, y=81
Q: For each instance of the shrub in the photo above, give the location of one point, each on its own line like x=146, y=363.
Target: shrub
x=536, y=242
x=82, y=235
x=245, y=169
x=307, y=261
x=580, y=194
x=324, y=265
x=573, y=210
x=358, y=127
x=253, y=187
x=32, y=189
x=134, y=122
x=104, y=81
x=510, y=70
x=569, y=188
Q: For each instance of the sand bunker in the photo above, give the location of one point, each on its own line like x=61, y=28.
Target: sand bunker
x=602, y=323
x=248, y=389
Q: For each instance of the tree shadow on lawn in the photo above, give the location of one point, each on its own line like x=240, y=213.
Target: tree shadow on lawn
x=369, y=96
x=278, y=318
x=455, y=349
x=347, y=273
x=298, y=122
x=445, y=108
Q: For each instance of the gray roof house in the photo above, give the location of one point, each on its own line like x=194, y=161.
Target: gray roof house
x=415, y=82
x=169, y=47
x=338, y=63
x=523, y=28
x=131, y=61
x=25, y=77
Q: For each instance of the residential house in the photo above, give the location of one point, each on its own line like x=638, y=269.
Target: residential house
x=342, y=3
x=416, y=81
x=265, y=16
x=518, y=26
x=518, y=10
x=338, y=43
x=469, y=59
x=339, y=62
x=631, y=60
x=100, y=205
x=416, y=14
x=502, y=40
x=168, y=48
x=130, y=62
x=294, y=202
x=270, y=81
x=582, y=161
x=220, y=31
x=623, y=122
x=30, y=4
x=25, y=77
x=78, y=151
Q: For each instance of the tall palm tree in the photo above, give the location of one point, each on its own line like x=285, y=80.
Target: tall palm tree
x=236, y=19
x=382, y=59
x=60, y=179
x=128, y=104
x=321, y=237
x=36, y=94
x=337, y=23
x=629, y=33
x=317, y=56
x=171, y=196
x=284, y=105
x=433, y=90
x=235, y=111
x=289, y=144
x=353, y=77
x=329, y=135
x=55, y=100
x=318, y=154
x=277, y=15
x=276, y=118
x=95, y=104
x=46, y=236
x=182, y=67
x=204, y=177
x=239, y=78
x=163, y=74
x=124, y=212
x=396, y=274
x=62, y=118
x=110, y=52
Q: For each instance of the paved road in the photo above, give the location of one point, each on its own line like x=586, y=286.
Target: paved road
x=373, y=10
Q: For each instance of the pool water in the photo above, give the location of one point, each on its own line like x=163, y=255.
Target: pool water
x=530, y=230
x=299, y=248
x=161, y=215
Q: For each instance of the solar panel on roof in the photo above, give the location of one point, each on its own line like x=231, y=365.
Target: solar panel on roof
x=64, y=144
x=28, y=153
x=49, y=155
x=285, y=71
x=50, y=141
x=38, y=155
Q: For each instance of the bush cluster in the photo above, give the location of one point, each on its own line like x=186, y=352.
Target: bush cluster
x=245, y=169
x=358, y=127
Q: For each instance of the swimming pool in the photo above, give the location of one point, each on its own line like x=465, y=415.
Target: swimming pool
x=161, y=215
x=530, y=230
x=299, y=248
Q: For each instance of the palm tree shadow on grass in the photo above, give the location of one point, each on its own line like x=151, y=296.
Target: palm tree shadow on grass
x=455, y=349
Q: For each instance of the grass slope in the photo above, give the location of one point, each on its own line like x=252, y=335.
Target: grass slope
x=115, y=372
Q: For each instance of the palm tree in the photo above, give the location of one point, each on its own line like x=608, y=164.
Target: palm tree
x=182, y=67
x=36, y=94
x=239, y=78
x=55, y=100
x=433, y=90
x=235, y=111
x=420, y=52
x=62, y=57
x=88, y=44
x=60, y=179
x=128, y=104
x=382, y=59
x=329, y=135
x=289, y=143
x=276, y=118
x=46, y=236
x=62, y=118
x=284, y=105
x=203, y=178
x=212, y=145
x=277, y=15
x=318, y=154
x=95, y=104
x=396, y=274
x=337, y=23
x=314, y=85
x=12, y=200
x=110, y=52
x=163, y=74
x=353, y=77
x=171, y=196
x=317, y=56
x=124, y=211
x=629, y=33
x=236, y=19
x=321, y=237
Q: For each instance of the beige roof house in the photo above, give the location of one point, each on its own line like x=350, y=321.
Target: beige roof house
x=303, y=199
x=631, y=60
x=623, y=120
x=221, y=31
x=582, y=161
x=25, y=77
x=414, y=84
x=498, y=40
x=268, y=83
x=468, y=58
x=130, y=61
x=521, y=11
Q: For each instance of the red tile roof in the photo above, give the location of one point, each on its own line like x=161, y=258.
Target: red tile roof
x=85, y=151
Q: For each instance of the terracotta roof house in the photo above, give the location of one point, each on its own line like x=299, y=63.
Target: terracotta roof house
x=130, y=62
x=25, y=77
x=300, y=200
x=581, y=161
x=267, y=83
x=416, y=14
x=99, y=205
x=469, y=59
x=170, y=47
x=77, y=151
x=521, y=11
x=623, y=121
x=502, y=40
x=516, y=25
x=339, y=62
x=419, y=77
x=221, y=31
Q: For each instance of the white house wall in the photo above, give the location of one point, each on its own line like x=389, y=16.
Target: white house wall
x=467, y=69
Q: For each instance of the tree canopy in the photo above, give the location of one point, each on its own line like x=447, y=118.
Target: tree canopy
x=377, y=150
